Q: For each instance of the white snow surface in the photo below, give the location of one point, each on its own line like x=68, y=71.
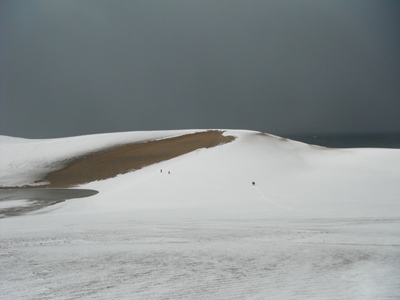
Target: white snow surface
x=319, y=223
x=14, y=203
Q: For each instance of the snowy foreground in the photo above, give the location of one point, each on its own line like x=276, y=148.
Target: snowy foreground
x=318, y=223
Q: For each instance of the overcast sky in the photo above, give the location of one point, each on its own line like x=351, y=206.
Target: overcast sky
x=282, y=67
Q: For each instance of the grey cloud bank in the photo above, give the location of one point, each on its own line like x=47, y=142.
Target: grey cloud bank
x=283, y=67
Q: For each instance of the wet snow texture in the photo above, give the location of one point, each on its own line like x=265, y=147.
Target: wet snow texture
x=317, y=224
x=258, y=259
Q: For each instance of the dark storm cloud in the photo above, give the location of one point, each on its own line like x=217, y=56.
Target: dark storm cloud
x=284, y=67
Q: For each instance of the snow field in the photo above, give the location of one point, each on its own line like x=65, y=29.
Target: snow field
x=317, y=224
x=225, y=259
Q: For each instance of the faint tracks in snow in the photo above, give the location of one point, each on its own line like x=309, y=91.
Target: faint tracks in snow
x=267, y=199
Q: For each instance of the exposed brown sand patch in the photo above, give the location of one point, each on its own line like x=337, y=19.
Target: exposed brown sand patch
x=122, y=159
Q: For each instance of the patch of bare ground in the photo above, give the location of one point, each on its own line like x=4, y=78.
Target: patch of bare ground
x=122, y=159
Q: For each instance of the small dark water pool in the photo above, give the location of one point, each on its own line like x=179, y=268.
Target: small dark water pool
x=14, y=202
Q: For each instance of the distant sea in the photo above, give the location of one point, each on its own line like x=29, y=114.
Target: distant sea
x=370, y=140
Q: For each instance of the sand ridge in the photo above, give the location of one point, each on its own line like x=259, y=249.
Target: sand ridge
x=122, y=159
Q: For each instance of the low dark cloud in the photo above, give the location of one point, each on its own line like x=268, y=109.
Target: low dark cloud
x=283, y=67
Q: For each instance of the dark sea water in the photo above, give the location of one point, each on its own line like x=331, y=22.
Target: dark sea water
x=370, y=140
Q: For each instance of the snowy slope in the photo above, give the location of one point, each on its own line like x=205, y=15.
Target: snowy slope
x=291, y=179
x=24, y=160
x=318, y=223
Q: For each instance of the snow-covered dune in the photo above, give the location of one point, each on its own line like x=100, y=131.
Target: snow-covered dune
x=289, y=177
x=256, y=216
x=24, y=160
